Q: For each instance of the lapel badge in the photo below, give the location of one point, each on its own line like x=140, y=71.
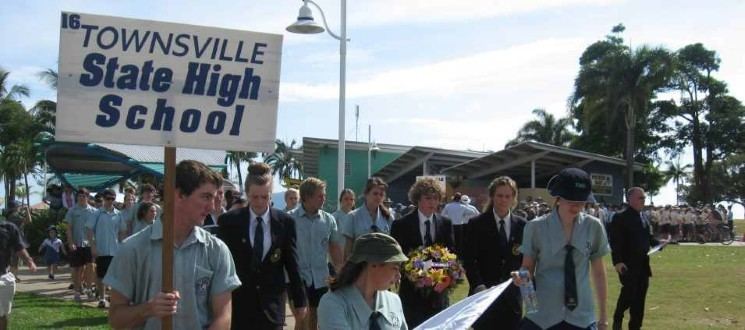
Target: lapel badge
x=515, y=249
x=276, y=255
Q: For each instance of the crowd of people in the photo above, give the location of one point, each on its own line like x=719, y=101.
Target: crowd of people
x=239, y=260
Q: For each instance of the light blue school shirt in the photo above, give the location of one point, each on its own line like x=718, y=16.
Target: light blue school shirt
x=105, y=226
x=138, y=225
x=358, y=223
x=543, y=239
x=345, y=309
x=202, y=268
x=77, y=217
x=313, y=235
x=341, y=218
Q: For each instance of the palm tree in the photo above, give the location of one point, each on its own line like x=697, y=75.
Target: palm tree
x=50, y=77
x=236, y=158
x=546, y=129
x=677, y=172
x=283, y=162
x=12, y=92
x=617, y=83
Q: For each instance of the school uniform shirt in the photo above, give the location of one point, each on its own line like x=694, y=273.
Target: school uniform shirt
x=105, y=226
x=543, y=240
x=341, y=218
x=345, y=308
x=313, y=234
x=77, y=217
x=202, y=265
x=359, y=222
x=138, y=225
x=53, y=244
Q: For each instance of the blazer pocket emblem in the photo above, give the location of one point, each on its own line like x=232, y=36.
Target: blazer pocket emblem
x=276, y=255
x=515, y=249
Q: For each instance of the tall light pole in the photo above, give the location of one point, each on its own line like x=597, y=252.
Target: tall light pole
x=306, y=25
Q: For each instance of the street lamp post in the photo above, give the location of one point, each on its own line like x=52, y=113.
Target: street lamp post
x=306, y=25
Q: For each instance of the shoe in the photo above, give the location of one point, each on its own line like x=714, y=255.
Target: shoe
x=90, y=293
x=71, y=287
x=102, y=303
x=51, y=277
x=77, y=298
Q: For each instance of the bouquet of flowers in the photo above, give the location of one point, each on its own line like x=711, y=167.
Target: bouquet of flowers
x=433, y=268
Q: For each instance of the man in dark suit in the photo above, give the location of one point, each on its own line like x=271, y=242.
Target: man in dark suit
x=630, y=240
x=262, y=242
x=491, y=253
x=423, y=227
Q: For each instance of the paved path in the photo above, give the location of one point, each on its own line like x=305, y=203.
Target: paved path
x=39, y=283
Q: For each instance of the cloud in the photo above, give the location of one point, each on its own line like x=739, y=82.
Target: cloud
x=384, y=12
x=532, y=66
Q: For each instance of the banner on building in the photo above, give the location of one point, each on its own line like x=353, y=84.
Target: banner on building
x=602, y=184
x=154, y=83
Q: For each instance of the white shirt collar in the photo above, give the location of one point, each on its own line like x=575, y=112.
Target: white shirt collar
x=423, y=218
x=264, y=216
x=506, y=217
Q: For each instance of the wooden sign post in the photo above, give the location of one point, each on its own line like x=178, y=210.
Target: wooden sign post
x=169, y=190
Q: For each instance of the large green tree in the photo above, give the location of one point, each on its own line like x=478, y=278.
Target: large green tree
x=546, y=128
x=704, y=118
x=728, y=179
x=612, y=96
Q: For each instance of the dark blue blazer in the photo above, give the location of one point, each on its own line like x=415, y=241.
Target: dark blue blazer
x=261, y=294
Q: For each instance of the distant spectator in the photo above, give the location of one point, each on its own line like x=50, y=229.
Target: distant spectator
x=291, y=198
x=51, y=248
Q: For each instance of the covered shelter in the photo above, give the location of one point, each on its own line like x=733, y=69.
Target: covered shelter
x=98, y=166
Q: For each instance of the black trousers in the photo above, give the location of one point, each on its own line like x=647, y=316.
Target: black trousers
x=633, y=294
x=459, y=233
x=504, y=313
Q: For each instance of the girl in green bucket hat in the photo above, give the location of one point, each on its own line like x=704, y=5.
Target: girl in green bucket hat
x=359, y=296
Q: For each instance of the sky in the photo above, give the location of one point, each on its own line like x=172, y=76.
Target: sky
x=448, y=74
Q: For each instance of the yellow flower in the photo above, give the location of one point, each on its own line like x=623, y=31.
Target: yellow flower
x=437, y=275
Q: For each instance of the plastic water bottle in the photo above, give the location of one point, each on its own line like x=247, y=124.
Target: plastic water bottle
x=527, y=291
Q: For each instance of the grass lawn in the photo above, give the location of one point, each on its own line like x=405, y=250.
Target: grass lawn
x=36, y=312
x=693, y=287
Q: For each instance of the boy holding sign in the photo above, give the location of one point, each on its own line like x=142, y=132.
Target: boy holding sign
x=206, y=270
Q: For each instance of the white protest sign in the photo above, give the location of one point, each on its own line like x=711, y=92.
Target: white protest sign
x=153, y=83
x=465, y=312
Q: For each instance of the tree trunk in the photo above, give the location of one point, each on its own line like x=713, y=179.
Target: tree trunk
x=28, y=190
x=698, y=162
x=630, y=131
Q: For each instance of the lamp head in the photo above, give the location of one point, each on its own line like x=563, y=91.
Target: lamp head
x=305, y=23
x=374, y=147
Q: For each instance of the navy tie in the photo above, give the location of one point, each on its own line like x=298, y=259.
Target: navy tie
x=502, y=232
x=570, y=282
x=427, y=234
x=259, y=240
x=374, y=321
